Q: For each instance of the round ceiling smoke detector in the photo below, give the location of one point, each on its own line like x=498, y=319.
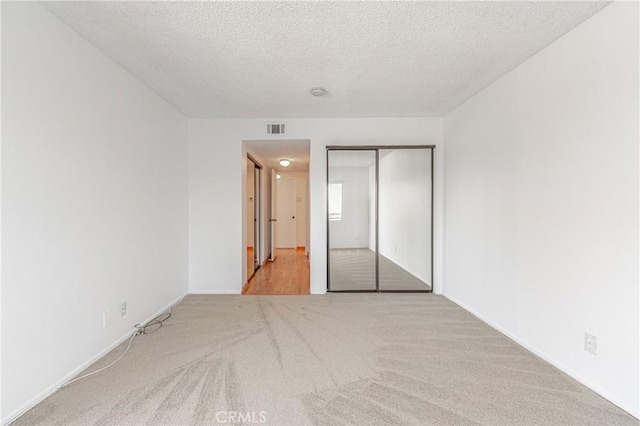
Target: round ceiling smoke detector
x=318, y=91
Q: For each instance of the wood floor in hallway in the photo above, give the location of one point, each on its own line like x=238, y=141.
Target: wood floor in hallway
x=288, y=274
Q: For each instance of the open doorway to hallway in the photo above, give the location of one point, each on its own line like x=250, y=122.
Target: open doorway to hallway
x=288, y=274
x=284, y=232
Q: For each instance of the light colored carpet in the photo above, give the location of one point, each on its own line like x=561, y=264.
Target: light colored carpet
x=386, y=359
x=355, y=269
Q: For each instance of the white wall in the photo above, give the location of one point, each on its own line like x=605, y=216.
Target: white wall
x=542, y=203
x=94, y=194
x=1, y=133
x=404, y=216
x=352, y=230
x=216, y=181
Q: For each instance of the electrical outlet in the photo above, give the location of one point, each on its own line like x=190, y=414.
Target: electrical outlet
x=123, y=309
x=590, y=343
x=106, y=319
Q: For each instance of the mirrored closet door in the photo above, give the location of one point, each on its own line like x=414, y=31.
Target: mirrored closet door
x=380, y=219
x=351, y=195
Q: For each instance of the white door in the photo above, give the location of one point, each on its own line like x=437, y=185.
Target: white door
x=286, y=209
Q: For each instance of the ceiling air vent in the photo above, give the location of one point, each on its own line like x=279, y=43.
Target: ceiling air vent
x=275, y=129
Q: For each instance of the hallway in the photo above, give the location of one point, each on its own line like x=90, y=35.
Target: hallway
x=289, y=274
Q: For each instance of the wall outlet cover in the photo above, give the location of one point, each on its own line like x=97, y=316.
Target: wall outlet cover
x=590, y=343
x=106, y=319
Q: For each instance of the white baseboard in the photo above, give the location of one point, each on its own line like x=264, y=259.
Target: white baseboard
x=560, y=366
x=54, y=387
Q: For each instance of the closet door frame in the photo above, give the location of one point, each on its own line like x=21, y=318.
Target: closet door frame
x=377, y=149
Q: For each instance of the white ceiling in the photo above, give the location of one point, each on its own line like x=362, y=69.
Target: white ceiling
x=259, y=59
x=269, y=153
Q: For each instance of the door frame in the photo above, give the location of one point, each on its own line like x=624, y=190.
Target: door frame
x=257, y=218
x=273, y=214
x=377, y=149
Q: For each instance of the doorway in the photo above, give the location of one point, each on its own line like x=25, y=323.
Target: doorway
x=285, y=217
x=380, y=219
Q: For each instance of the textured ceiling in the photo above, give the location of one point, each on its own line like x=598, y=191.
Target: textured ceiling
x=271, y=151
x=259, y=59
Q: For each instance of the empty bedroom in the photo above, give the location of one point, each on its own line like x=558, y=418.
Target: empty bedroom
x=320, y=213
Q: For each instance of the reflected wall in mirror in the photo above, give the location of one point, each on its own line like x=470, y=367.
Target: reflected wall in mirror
x=351, y=212
x=404, y=219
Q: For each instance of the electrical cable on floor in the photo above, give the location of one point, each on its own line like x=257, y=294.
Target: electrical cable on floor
x=157, y=321
x=153, y=325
